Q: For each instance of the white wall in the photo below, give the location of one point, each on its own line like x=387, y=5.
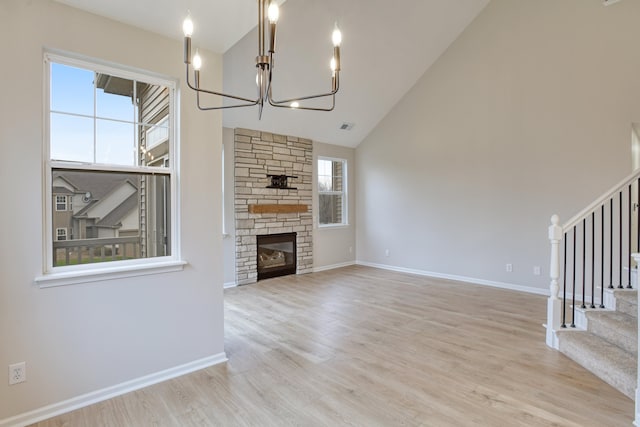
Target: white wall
x=331, y=245
x=82, y=338
x=527, y=114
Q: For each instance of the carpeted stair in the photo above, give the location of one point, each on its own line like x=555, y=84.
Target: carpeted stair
x=609, y=346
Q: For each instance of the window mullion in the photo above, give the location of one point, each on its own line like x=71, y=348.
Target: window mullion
x=95, y=117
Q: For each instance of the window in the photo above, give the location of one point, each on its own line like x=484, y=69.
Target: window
x=61, y=203
x=332, y=206
x=110, y=141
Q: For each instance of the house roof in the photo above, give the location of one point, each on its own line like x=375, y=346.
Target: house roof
x=61, y=190
x=97, y=183
x=114, y=218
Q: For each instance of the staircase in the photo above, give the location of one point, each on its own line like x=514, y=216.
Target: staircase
x=592, y=310
x=608, y=346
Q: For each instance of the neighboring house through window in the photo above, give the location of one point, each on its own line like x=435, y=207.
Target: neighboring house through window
x=111, y=169
x=332, y=179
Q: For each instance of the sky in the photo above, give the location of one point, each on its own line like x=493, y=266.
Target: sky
x=77, y=134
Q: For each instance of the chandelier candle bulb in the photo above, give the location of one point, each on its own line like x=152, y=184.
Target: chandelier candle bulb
x=273, y=13
x=197, y=61
x=336, y=36
x=187, y=25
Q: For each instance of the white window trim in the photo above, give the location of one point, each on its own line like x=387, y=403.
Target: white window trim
x=69, y=275
x=344, y=193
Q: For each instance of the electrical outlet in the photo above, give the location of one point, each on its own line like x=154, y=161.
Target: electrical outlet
x=386, y=252
x=350, y=249
x=536, y=270
x=17, y=373
x=508, y=268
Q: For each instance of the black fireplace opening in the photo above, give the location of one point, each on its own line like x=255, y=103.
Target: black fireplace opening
x=276, y=255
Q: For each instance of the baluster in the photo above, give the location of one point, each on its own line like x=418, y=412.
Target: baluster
x=593, y=262
x=629, y=241
x=620, y=242
x=584, y=262
x=564, y=285
x=611, y=243
x=602, y=256
x=573, y=297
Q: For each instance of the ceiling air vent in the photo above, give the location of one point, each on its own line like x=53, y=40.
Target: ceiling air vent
x=346, y=126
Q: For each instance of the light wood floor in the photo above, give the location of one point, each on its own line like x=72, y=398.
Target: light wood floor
x=369, y=347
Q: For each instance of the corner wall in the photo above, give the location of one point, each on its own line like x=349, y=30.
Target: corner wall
x=527, y=114
x=85, y=338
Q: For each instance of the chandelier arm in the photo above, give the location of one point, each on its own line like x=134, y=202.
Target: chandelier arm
x=210, y=92
x=303, y=98
x=223, y=107
x=333, y=105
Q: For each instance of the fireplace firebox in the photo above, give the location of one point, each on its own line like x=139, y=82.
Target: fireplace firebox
x=276, y=255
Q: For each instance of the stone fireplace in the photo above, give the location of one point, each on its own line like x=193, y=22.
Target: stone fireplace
x=262, y=209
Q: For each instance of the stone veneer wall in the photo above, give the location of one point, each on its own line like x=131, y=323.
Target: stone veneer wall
x=256, y=155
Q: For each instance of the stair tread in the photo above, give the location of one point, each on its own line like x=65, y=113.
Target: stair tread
x=629, y=296
x=615, y=327
x=608, y=361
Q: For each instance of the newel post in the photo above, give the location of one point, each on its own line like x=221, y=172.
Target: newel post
x=554, y=304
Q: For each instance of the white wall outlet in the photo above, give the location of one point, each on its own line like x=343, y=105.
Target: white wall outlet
x=508, y=268
x=536, y=270
x=350, y=249
x=386, y=252
x=17, y=373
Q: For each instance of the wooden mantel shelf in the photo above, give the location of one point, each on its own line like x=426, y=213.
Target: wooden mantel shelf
x=262, y=209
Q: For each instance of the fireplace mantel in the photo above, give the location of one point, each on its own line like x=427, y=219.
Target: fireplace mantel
x=277, y=208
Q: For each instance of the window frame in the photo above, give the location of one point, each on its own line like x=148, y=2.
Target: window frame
x=72, y=274
x=343, y=193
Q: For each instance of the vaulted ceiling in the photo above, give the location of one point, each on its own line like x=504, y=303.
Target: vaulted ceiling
x=387, y=46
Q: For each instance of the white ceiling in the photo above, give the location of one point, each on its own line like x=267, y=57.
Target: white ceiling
x=387, y=46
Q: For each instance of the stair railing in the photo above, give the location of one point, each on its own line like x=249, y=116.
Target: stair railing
x=592, y=251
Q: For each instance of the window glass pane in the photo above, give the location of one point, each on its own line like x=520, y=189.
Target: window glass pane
x=330, y=207
x=115, y=143
x=117, y=216
x=325, y=181
x=71, y=89
x=114, y=98
x=71, y=138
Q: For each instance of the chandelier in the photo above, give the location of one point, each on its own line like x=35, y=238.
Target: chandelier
x=268, y=12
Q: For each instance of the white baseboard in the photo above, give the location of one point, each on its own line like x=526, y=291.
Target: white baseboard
x=110, y=392
x=511, y=286
x=230, y=285
x=333, y=266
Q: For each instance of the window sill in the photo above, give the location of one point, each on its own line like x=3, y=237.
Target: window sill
x=108, y=273
x=332, y=226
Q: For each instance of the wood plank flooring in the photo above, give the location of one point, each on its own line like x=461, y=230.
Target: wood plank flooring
x=360, y=346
